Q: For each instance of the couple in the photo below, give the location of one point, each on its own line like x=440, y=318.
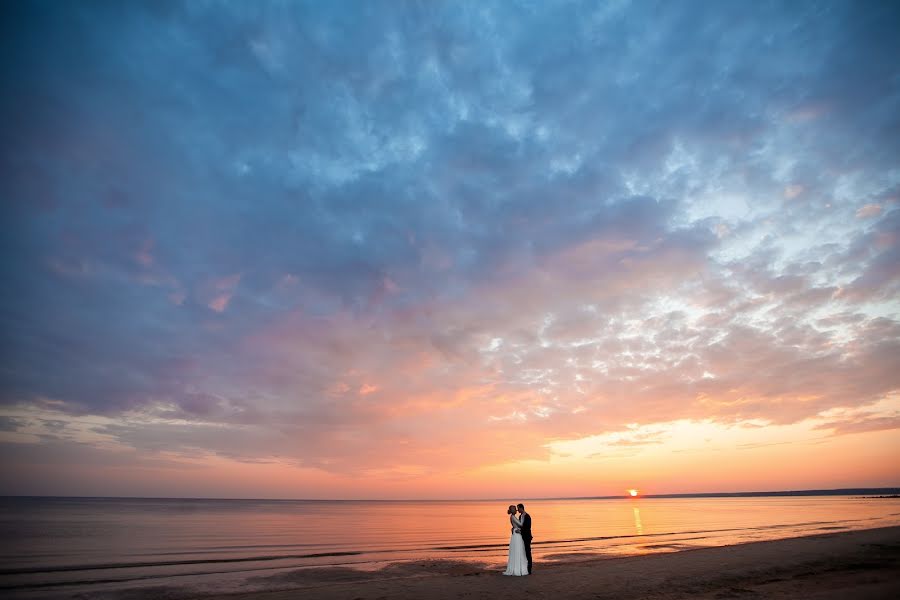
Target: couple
x=519, y=562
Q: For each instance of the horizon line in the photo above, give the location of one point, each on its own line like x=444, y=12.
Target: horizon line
x=807, y=492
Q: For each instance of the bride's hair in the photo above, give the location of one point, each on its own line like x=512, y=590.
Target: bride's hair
x=511, y=509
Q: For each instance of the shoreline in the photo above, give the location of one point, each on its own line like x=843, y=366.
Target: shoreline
x=860, y=564
x=833, y=565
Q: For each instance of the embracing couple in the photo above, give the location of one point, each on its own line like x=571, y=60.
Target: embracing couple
x=519, y=562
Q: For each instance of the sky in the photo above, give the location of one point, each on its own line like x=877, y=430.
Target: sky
x=449, y=249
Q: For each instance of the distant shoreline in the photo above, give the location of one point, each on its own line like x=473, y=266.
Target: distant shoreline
x=890, y=492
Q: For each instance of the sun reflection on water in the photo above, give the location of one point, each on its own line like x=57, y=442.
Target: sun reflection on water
x=638, y=526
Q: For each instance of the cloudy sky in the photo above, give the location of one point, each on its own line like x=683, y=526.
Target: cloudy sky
x=463, y=249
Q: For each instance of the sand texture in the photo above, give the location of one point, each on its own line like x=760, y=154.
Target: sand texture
x=855, y=565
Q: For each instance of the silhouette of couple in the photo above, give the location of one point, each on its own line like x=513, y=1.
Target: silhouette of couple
x=519, y=562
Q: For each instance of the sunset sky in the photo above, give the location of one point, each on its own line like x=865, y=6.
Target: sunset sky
x=449, y=249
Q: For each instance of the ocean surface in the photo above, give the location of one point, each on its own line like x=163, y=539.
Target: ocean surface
x=94, y=547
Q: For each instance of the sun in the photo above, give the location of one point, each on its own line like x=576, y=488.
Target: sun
x=633, y=493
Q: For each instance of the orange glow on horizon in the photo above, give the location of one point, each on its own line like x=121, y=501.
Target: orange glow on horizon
x=633, y=493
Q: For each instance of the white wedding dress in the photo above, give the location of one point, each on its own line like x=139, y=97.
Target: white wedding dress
x=517, y=564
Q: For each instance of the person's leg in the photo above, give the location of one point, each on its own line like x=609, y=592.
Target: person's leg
x=528, y=554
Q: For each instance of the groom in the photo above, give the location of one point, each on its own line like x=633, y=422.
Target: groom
x=526, y=532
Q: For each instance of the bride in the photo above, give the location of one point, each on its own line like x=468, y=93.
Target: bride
x=517, y=564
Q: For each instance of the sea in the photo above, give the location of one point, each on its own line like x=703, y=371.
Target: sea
x=119, y=547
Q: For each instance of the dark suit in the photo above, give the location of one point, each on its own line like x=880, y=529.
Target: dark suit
x=526, y=537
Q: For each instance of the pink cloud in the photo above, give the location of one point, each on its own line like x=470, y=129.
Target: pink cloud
x=868, y=211
x=220, y=303
x=144, y=255
x=862, y=425
x=220, y=291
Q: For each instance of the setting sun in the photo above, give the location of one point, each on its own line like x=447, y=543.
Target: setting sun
x=633, y=493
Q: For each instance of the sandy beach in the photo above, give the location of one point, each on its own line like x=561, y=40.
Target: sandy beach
x=859, y=564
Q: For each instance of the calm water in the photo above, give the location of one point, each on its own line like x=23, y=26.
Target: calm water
x=61, y=547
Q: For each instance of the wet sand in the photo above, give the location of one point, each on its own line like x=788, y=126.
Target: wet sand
x=855, y=565
x=858, y=565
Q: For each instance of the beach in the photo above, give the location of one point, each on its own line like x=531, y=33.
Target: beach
x=181, y=549
x=857, y=564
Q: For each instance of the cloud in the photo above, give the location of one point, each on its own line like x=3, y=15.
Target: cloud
x=792, y=191
x=862, y=425
x=358, y=241
x=11, y=423
x=869, y=210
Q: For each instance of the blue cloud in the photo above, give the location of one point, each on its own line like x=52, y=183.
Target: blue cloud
x=182, y=177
